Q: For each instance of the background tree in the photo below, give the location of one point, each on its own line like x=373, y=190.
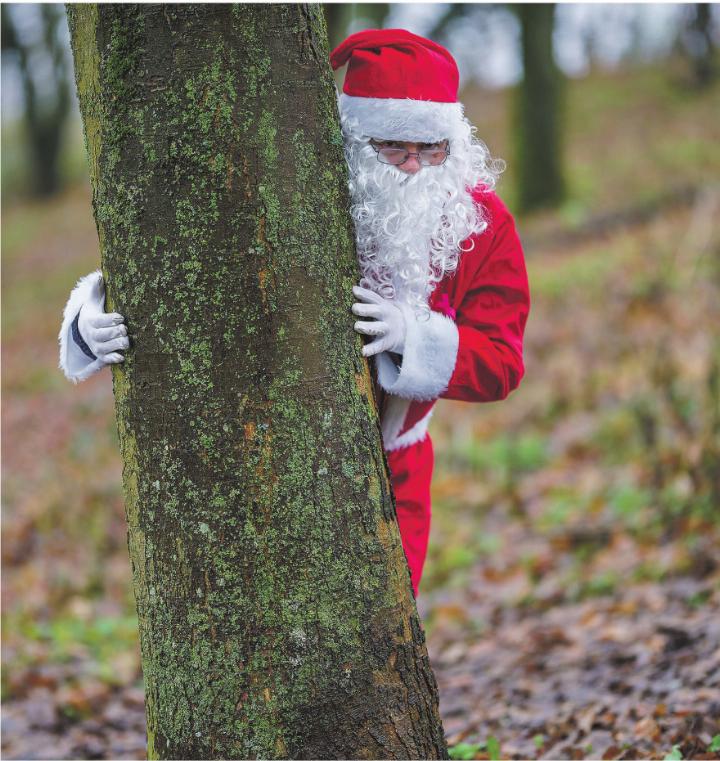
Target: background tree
x=538, y=114
x=274, y=602
x=697, y=43
x=454, y=13
x=537, y=117
x=341, y=18
x=46, y=108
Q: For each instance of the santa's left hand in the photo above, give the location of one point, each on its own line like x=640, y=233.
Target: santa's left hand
x=388, y=325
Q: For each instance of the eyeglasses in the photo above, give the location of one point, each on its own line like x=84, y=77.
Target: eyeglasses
x=397, y=156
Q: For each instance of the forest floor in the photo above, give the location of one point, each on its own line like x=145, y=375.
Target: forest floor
x=571, y=597
x=572, y=591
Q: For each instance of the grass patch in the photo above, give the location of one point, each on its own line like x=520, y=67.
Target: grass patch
x=490, y=748
x=587, y=273
x=102, y=636
x=630, y=504
x=504, y=454
x=562, y=506
x=102, y=641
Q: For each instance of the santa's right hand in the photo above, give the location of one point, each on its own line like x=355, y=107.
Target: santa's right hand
x=104, y=333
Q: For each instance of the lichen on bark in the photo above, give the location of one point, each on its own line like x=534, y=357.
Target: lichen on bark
x=275, y=609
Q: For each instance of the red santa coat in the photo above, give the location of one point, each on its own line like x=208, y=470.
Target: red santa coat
x=469, y=350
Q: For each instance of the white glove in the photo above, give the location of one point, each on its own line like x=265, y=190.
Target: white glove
x=388, y=325
x=103, y=332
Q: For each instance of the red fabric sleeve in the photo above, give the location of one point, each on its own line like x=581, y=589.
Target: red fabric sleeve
x=491, y=318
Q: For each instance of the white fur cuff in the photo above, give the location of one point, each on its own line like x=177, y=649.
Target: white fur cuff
x=431, y=349
x=422, y=121
x=76, y=365
x=417, y=433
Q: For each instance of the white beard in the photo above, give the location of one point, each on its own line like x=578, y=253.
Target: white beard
x=411, y=229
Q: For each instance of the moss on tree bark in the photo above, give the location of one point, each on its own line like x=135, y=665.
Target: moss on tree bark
x=274, y=602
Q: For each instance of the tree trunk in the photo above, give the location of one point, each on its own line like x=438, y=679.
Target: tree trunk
x=274, y=602
x=698, y=43
x=339, y=17
x=45, y=115
x=538, y=112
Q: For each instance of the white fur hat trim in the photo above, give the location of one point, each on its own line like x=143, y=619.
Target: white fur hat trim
x=421, y=121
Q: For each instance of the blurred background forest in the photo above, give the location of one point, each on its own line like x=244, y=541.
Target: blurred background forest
x=572, y=592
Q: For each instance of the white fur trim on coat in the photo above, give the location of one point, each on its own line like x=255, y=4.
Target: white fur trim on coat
x=420, y=121
x=417, y=433
x=429, y=358
x=76, y=365
x=393, y=417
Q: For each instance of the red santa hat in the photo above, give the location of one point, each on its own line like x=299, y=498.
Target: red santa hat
x=398, y=85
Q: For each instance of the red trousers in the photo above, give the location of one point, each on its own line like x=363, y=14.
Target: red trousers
x=411, y=472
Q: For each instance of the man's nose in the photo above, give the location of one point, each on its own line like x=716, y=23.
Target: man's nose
x=411, y=165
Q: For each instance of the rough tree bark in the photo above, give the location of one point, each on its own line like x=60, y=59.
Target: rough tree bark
x=275, y=609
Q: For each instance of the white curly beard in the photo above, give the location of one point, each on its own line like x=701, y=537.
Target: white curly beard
x=412, y=229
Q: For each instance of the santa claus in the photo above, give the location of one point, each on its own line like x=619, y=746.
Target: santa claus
x=444, y=293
